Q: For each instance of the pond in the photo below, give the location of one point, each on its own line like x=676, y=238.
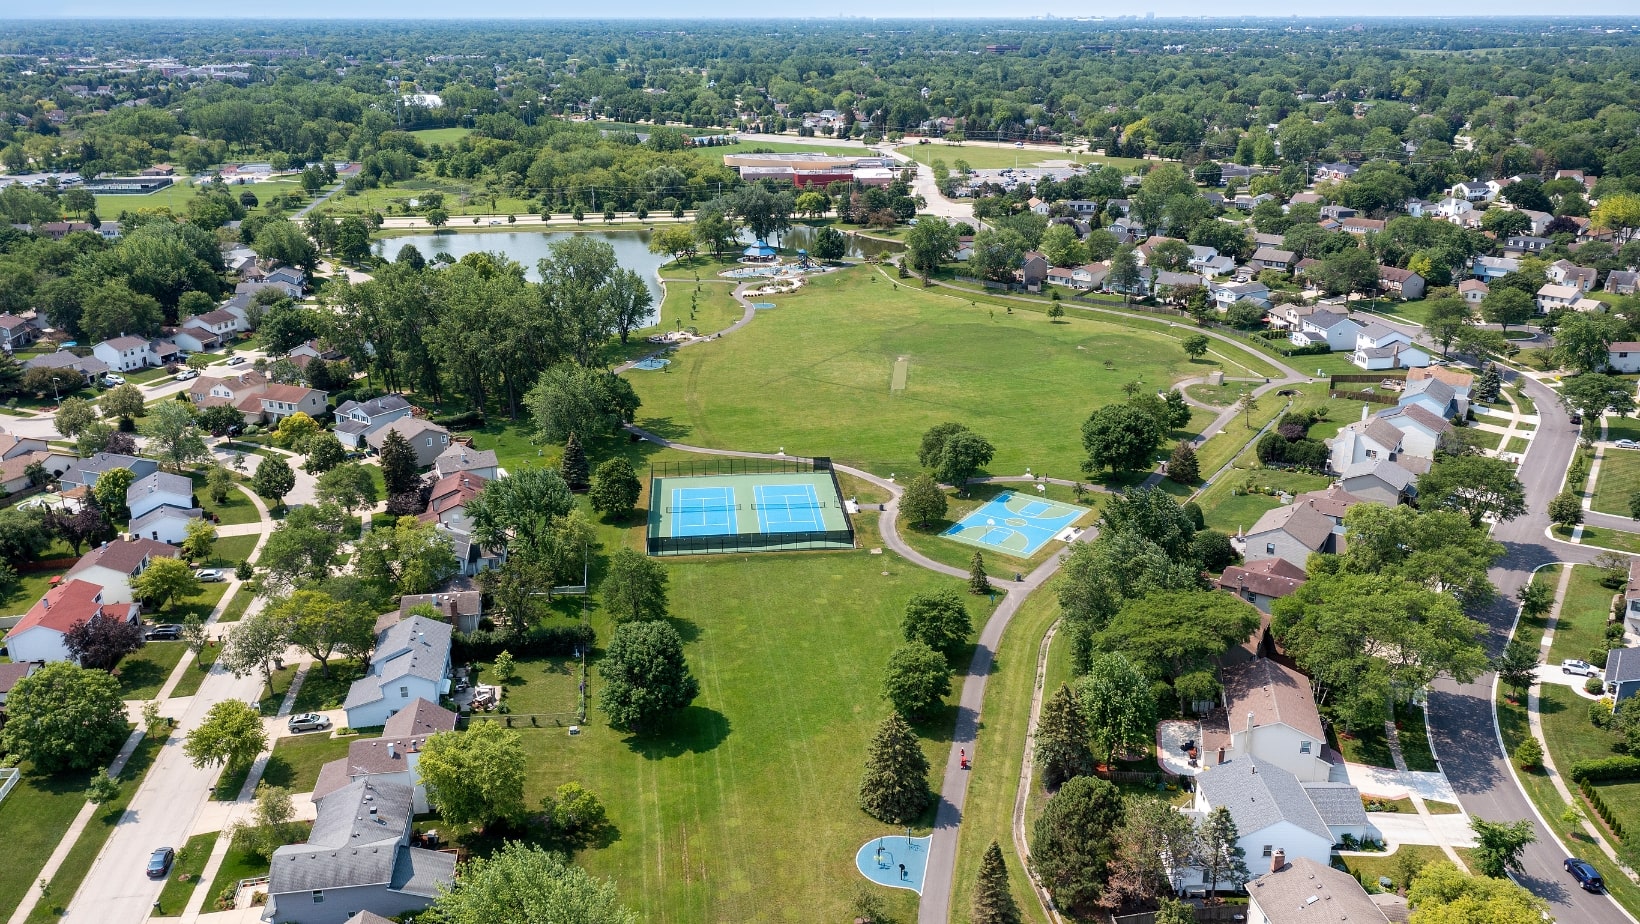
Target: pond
x=802, y=237
x=528, y=247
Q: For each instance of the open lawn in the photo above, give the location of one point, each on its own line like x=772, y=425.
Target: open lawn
x=196, y=672
x=1414, y=738
x=35, y=815
x=441, y=135
x=1235, y=502
x=238, y=863
x=144, y=671
x=813, y=377
x=1369, y=867
x=296, y=759
x=760, y=773
x=817, y=145
x=238, y=508
x=1582, y=621
x=1619, y=479
x=986, y=157
x=1604, y=538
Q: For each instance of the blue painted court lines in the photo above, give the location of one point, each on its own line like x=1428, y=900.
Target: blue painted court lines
x=1015, y=524
x=787, y=508
x=703, y=511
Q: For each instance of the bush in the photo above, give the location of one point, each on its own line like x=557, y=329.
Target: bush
x=1597, y=657
x=1600, y=713
x=1605, y=768
x=541, y=641
x=1593, y=684
x=1600, y=807
x=1529, y=753
x=466, y=420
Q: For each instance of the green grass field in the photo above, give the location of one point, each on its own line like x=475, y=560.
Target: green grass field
x=814, y=378
x=986, y=157
x=796, y=145
x=1619, y=479
x=143, y=672
x=441, y=135
x=184, y=878
x=296, y=759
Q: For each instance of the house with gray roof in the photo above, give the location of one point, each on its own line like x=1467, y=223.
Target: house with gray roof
x=357, y=858
x=1274, y=812
x=1303, y=891
x=1293, y=533
x=464, y=459
x=1380, y=481
x=1623, y=673
x=87, y=471
x=1434, y=396
x=1421, y=431
x=411, y=662
x=1363, y=441
x=427, y=439
x=356, y=420
x=89, y=367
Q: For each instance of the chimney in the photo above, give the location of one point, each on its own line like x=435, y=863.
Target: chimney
x=1278, y=860
x=391, y=750
x=1363, y=411
x=1221, y=756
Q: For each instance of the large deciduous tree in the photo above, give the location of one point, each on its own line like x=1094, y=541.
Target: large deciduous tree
x=1479, y=487
x=1118, y=709
x=646, y=679
x=953, y=453
x=410, y=557
x=938, y=619
x=64, y=717
x=572, y=398
x=1120, y=436
x=634, y=587
x=475, y=776
x=922, y=501
x=323, y=625
x=165, y=581
x=527, y=885
x=615, y=489
x=172, y=429
x=231, y=734
x=518, y=511
x=916, y=679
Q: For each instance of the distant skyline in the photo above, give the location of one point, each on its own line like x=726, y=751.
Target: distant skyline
x=728, y=9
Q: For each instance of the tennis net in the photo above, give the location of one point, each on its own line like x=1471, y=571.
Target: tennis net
x=703, y=508
x=821, y=505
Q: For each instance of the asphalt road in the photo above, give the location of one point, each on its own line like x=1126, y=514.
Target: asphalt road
x=1461, y=716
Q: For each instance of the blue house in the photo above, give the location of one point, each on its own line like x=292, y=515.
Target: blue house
x=1623, y=673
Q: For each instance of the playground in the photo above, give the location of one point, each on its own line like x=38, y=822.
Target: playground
x=1016, y=525
x=895, y=861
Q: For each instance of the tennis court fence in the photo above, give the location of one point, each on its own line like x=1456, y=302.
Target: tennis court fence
x=735, y=465
x=750, y=542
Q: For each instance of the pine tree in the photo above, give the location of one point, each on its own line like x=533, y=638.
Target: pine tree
x=575, y=470
x=993, y=903
x=895, y=786
x=978, y=583
x=398, y=464
x=1062, y=739
x=1182, y=467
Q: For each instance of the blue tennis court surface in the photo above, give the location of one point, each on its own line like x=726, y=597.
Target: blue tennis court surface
x=703, y=511
x=1015, y=524
x=787, y=508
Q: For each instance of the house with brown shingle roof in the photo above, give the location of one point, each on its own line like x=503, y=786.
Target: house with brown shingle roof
x=393, y=756
x=1263, y=582
x=114, y=565
x=1305, y=892
x=1269, y=712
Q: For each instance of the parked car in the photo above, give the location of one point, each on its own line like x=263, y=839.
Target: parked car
x=210, y=575
x=112, y=379
x=1585, y=875
x=187, y=374
x=168, y=632
x=1626, y=444
x=159, y=862
x=237, y=360
x=309, y=721
x=1578, y=668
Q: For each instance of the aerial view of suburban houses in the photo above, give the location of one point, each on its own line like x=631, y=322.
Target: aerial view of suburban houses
x=984, y=467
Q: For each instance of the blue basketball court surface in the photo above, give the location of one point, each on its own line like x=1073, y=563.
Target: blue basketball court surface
x=787, y=508
x=703, y=511
x=1015, y=524
x=895, y=861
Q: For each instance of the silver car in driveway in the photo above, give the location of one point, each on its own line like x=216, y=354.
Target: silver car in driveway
x=309, y=722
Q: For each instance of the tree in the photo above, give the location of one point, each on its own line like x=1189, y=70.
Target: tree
x=218, y=419
x=1182, y=467
x=123, y=401
x=348, y=486
x=938, y=619
x=1195, y=346
x=634, y=587
x=677, y=240
x=572, y=398
x=1517, y=665
x=1476, y=486
x=172, y=429
x=1583, y=340
x=646, y=680
x=1118, y=708
x=930, y=242
x=1120, y=436
x=475, y=776
x=273, y=479
x=1176, y=633
x=438, y=218
x=64, y=717
x=197, y=638
x=1499, y=845
x=1247, y=404
x=295, y=430
x=713, y=230
x=254, y=643
x=1619, y=212
x=922, y=502
x=283, y=242
x=574, y=812
x=894, y=789
x=993, y=902
x=1218, y=852
x=43, y=380
x=22, y=535
x=916, y=679
x=954, y=453
x=997, y=253
x=517, y=512
x=978, y=581
x=1528, y=754
x=1152, y=834
x=1061, y=742
x=398, y=462
x=1536, y=598
x=1061, y=247
x=73, y=416
x=218, y=483
x=1073, y=844
x=101, y=641
x=409, y=557
x=88, y=524
x=1447, y=319
x=526, y=885
x=1444, y=894
x=1593, y=394
x=110, y=491
x=322, y=625
x=1566, y=509
x=231, y=735
x=102, y=789
x=574, y=466
x=615, y=489
x=199, y=539
x=324, y=452
x=164, y=581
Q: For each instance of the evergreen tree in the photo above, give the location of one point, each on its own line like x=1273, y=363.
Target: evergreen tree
x=1486, y=390
x=1062, y=740
x=1074, y=842
x=993, y=903
x=574, y=466
x=1220, y=857
x=1182, y=467
x=978, y=583
x=398, y=464
x=895, y=786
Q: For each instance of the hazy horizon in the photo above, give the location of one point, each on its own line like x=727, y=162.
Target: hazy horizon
x=847, y=9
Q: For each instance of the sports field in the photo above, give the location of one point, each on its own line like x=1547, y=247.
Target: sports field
x=856, y=367
x=1015, y=524
x=765, y=506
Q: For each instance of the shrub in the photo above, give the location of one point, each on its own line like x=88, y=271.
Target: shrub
x=1593, y=685
x=1529, y=753
x=1605, y=768
x=1597, y=657
x=466, y=420
x=540, y=641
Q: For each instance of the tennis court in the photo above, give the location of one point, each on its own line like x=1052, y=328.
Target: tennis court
x=754, y=511
x=1015, y=524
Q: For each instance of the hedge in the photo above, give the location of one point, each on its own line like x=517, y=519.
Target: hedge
x=1600, y=807
x=542, y=641
x=1605, y=768
x=466, y=420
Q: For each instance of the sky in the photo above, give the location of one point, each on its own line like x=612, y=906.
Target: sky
x=738, y=9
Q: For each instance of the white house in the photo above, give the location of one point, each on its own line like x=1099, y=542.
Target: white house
x=356, y=420
x=1378, y=346
x=1274, y=812
x=1362, y=441
x=1473, y=191
x=1453, y=209
x=393, y=757
x=1434, y=395
x=411, y=661
x=160, y=489
x=1551, y=296
x=1487, y=269
x=39, y=636
x=125, y=354
x=1381, y=482
x=114, y=565
x=1624, y=356
x=1269, y=713
x=1567, y=273
x=1421, y=430
x=1335, y=330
